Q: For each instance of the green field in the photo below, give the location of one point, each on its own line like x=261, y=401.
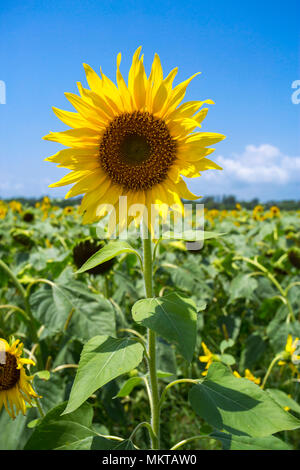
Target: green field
x=245, y=286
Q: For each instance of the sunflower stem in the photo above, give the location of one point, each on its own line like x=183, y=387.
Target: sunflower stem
x=274, y=361
x=24, y=296
x=154, y=402
x=39, y=407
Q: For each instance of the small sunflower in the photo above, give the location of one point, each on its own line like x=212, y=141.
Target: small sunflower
x=275, y=211
x=133, y=140
x=208, y=358
x=68, y=210
x=15, y=206
x=249, y=376
x=3, y=212
x=15, y=386
x=258, y=212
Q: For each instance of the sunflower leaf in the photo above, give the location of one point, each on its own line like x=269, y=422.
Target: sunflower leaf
x=238, y=405
x=102, y=359
x=173, y=317
x=232, y=442
x=71, y=432
x=109, y=251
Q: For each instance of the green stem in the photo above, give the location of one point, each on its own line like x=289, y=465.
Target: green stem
x=190, y=439
x=106, y=287
x=16, y=309
x=276, y=358
x=39, y=407
x=171, y=384
x=267, y=273
x=22, y=291
x=141, y=425
x=147, y=271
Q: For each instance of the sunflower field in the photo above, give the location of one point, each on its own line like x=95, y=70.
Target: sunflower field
x=73, y=322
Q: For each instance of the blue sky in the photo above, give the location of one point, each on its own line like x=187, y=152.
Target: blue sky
x=248, y=53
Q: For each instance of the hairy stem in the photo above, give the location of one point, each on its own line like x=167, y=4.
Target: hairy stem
x=147, y=271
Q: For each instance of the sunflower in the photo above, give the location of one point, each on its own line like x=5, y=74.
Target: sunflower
x=208, y=357
x=249, y=376
x=15, y=206
x=132, y=140
x=68, y=210
x=3, y=212
x=290, y=355
x=275, y=211
x=15, y=386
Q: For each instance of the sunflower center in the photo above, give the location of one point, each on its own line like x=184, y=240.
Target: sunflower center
x=137, y=150
x=9, y=374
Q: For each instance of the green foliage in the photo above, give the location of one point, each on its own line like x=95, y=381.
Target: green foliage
x=238, y=294
x=238, y=405
x=173, y=317
x=102, y=359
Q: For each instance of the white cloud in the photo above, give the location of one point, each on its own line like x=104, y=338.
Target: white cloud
x=262, y=171
x=262, y=164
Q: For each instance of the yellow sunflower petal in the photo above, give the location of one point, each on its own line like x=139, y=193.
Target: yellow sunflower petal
x=83, y=137
x=70, y=178
x=93, y=79
x=184, y=192
x=73, y=120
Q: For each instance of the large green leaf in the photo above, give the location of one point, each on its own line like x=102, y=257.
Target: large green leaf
x=71, y=432
x=253, y=350
x=173, y=317
x=52, y=391
x=109, y=251
x=166, y=357
x=238, y=405
x=232, y=442
x=102, y=359
x=14, y=433
x=71, y=306
x=242, y=287
x=283, y=399
x=55, y=431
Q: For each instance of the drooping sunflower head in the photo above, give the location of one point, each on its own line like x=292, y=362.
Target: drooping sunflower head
x=87, y=248
x=28, y=217
x=15, y=384
x=22, y=237
x=135, y=140
x=294, y=256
